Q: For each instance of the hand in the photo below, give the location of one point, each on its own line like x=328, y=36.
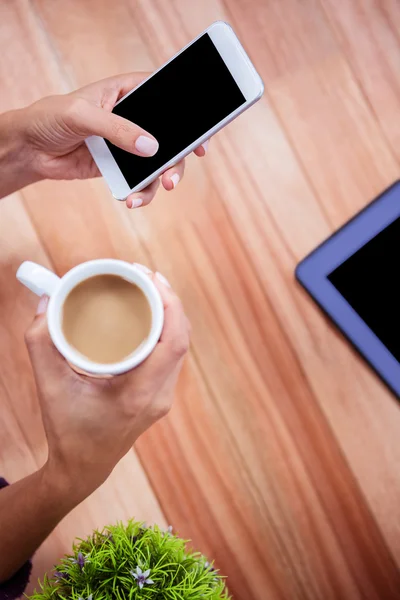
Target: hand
x=54, y=130
x=92, y=423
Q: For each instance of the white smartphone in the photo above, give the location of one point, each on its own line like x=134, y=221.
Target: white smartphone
x=201, y=89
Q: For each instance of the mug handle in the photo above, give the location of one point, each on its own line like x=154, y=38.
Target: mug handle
x=38, y=279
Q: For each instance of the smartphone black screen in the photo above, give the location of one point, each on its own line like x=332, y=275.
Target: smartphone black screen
x=189, y=96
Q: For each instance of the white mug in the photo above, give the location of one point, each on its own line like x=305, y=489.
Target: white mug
x=42, y=281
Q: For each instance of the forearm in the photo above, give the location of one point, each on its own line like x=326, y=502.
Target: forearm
x=15, y=163
x=29, y=510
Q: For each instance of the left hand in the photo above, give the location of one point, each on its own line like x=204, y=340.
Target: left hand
x=91, y=423
x=54, y=130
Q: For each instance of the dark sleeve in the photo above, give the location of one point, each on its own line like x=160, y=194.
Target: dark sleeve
x=15, y=587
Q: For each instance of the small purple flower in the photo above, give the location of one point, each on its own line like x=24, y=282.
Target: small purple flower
x=208, y=566
x=169, y=530
x=80, y=561
x=61, y=576
x=88, y=598
x=142, y=578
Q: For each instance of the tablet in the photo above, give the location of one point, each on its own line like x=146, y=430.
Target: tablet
x=354, y=276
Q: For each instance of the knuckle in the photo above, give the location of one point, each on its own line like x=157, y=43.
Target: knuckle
x=75, y=106
x=74, y=111
x=119, y=129
x=179, y=345
x=33, y=336
x=162, y=410
x=176, y=304
x=146, y=198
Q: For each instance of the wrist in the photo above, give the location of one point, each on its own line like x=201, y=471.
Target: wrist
x=67, y=490
x=16, y=156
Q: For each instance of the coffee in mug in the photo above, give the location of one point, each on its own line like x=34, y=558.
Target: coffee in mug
x=104, y=316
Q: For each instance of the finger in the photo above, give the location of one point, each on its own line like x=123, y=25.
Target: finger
x=172, y=177
x=120, y=84
x=174, y=338
x=202, y=150
x=165, y=398
x=43, y=354
x=80, y=164
x=88, y=119
x=128, y=81
x=166, y=359
x=176, y=322
x=112, y=89
x=144, y=197
x=143, y=268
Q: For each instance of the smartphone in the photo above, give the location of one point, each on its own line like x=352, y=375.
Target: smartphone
x=199, y=91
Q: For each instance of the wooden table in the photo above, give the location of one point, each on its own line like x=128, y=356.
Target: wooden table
x=281, y=457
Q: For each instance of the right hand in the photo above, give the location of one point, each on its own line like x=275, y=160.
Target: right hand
x=92, y=423
x=48, y=137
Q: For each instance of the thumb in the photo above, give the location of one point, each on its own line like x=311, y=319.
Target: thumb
x=121, y=132
x=42, y=352
x=175, y=336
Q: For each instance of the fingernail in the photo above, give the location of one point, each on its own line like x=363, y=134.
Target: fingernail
x=42, y=306
x=142, y=268
x=136, y=203
x=163, y=279
x=175, y=179
x=205, y=145
x=145, y=145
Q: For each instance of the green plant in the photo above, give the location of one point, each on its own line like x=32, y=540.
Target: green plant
x=129, y=562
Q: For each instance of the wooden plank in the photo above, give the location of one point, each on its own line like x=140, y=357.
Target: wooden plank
x=196, y=214
x=336, y=137
x=323, y=111
x=368, y=33
x=384, y=466
x=248, y=464
x=24, y=52
x=228, y=559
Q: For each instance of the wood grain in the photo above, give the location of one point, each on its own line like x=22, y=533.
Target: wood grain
x=281, y=455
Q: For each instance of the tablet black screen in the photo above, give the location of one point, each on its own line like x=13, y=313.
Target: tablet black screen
x=370, y=282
